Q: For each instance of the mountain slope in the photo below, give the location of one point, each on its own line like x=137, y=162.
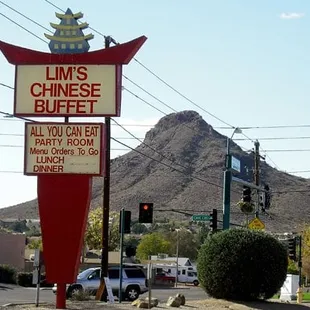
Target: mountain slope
x=182, y=168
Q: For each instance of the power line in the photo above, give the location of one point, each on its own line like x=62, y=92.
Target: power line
x=22, y=118
x=277, y=138
x=163, y=81
x=288, y=150
x=22, y=135
x=270, y=158
x=267, y=127
x=79, y=21
x=151, y=105
x=147, y=92
x=177, y=170
x=7, y=86
x=183, y=96
x=23, y=15
x=19, y=146
x=183, y=172
x=150, y=147
x=276, y=127
x=159, y=78
x=292, y=191
x=153, y=149
x=146, y=102
x=17, y=24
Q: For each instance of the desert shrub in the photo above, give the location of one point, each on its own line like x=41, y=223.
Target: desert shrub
x=7, y=274
x=24, y=279
x=80, y=295
x=242, y=264
x=292, y=267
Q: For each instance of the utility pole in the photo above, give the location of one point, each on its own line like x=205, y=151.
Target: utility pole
x=256, y=173
x=106, y=197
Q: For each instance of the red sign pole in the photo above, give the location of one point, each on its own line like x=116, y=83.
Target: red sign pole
x=61, y=296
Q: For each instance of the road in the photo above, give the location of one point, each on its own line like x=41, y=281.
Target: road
x=17, y=294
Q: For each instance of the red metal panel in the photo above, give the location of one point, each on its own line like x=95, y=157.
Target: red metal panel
x=118, y=89
x=119, y=54
x=63, y=206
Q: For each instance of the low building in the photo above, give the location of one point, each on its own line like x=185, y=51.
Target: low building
x=12, y=249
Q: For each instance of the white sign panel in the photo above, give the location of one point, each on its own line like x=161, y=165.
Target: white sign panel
x=67, y=90
x=235, y=164
x=63, y=148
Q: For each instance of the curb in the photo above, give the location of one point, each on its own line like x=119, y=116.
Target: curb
x=12, y=304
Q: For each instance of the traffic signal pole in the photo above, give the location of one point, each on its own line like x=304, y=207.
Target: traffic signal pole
x=227, y=188
x=299, y=290
x=256, y=173
x=121, y=250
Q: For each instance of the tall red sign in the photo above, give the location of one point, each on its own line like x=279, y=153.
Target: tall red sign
x=69, y=82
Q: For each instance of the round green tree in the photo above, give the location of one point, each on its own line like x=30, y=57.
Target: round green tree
x=241, y=264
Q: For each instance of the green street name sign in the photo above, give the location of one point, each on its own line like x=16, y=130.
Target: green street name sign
x=201, y=217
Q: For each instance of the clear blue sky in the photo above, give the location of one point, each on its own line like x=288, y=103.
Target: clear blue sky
x=247, y=62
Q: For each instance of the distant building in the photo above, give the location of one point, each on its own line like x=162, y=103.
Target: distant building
x=12, y=249
x=182, y=261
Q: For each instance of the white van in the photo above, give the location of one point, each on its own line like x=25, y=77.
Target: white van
x=185, y=274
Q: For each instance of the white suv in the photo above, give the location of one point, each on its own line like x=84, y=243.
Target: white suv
x=134, y=282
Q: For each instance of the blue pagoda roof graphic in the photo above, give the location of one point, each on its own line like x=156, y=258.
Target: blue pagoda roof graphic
x=69, y=37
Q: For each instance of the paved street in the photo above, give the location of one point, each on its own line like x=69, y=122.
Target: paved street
x=16, y=294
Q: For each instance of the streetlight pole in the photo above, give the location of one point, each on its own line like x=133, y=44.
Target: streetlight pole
x=227, y=182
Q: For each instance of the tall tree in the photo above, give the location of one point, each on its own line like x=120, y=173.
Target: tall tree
x=152, y=244
x=94, y=230
x=306, y=250
x=187, y=241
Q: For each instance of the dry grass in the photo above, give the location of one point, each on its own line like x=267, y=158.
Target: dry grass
x=210, y=304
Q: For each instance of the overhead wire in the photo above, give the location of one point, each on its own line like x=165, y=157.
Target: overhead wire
x=177, y=170
x=7, y=86
x=131, y=148
x=150, y=71
x=277, y=138
x=162, y=80
x=24, y=28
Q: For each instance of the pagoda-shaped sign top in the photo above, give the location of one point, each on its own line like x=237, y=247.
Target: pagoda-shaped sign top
x=69, y=37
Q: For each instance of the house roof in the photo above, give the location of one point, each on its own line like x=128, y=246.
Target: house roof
x=181, y=260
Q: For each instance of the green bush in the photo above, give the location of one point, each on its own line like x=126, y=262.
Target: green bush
x=7, y=274
x=24, y=279
x=241, y=264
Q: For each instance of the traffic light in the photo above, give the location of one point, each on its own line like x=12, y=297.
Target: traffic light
x=267, y=197
x=247, y=194
x=213, y=220
x=145, y=212
x=292, y=249
x=127, y=222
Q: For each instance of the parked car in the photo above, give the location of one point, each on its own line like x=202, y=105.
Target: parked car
x=165, y=277
x=134, y=282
